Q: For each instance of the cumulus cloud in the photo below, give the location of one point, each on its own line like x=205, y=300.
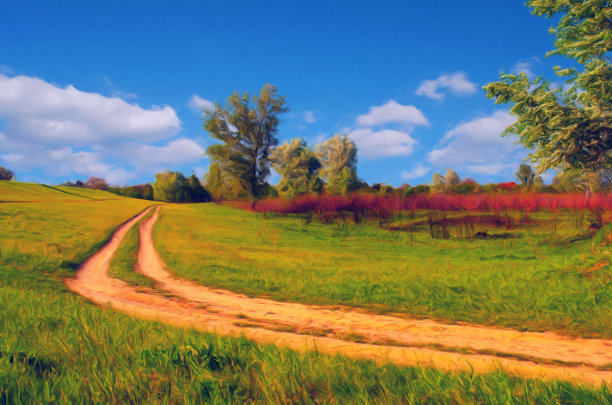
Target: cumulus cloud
x=40, y=111
x=309, y=117
x=65, y=132
x=456, y=83
x=385, y=130
x=197, y=103
x=392, y=112
x=478, y=146
x=154, y=158
x=416, y=172
x=384, y=142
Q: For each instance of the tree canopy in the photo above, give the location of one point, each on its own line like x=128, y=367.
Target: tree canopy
x=174, y=187
x=338, y=157
x=569, y=128
x=299, y=168
x=248, y=130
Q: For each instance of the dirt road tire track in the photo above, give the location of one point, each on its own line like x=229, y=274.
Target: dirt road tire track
x=388, y=338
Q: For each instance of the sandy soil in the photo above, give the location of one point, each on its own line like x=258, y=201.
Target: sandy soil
x=353, y=333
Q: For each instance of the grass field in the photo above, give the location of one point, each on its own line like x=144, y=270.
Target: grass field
x=533, y=278
x=57, y=347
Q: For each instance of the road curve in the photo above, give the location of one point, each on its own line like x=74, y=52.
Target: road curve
x=352, y=333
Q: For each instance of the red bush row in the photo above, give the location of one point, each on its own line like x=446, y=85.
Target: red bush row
x=392, y=203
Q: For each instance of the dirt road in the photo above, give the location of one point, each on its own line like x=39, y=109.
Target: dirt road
x=353, y=333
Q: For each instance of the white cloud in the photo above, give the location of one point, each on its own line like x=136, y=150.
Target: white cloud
x=418, y=171
x=456, y=83
x=197, y=103
x=65, y=161
x=492, y=168
x=157, y=158
x=392, y=112
x=309, y=117
x=385, y=142
x=478, y=146
x=65, y=132
x=40, y=111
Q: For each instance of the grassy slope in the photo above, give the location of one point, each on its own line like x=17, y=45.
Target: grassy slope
x=520, y=282
x=13, y=191
x=56, y=347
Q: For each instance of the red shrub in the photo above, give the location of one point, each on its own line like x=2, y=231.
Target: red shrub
x=383, y=206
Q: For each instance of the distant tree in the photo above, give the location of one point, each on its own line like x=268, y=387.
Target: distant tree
x=248, y=129
x=6, y=174
x=445, y=184
x=438, y=184
x=97, y=183
x=569, y=128
x=194, y=191
x=169, y=187
x=526, y=176
x=299, y=168
x=538, y=184
x=338, y=157
x=468, y=186
x=141, y=191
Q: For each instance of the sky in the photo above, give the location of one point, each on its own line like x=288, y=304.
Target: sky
x=115, y=89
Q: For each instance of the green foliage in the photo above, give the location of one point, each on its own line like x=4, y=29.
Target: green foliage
x=338, y=157
x=141, y=191
x=570, y=129
x=174, y=187
x=468, y=186
x=248, y=133
x=299, y=169
x=6, y=174
x=526, y=176
x=419, y=189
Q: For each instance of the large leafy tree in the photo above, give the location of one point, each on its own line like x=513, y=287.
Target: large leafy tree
x=299, y=168
x=569, y=128
x=248, y=129
x=338, y=157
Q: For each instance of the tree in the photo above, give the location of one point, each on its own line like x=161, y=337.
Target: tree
x=248, y=130
x=6, y=174
x=445, y=184
x=570, y=128
x=169, y=187
x=97, y=183
x=338, y=157
x=174, y=187
x=299, y=168
x=526, y=176
x=195, y=192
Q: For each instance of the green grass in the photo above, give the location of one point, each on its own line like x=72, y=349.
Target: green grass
x=26, y=192
x=520, y=282
x=56, y=347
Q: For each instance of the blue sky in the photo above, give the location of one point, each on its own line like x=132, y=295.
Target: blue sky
x=112, y=89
